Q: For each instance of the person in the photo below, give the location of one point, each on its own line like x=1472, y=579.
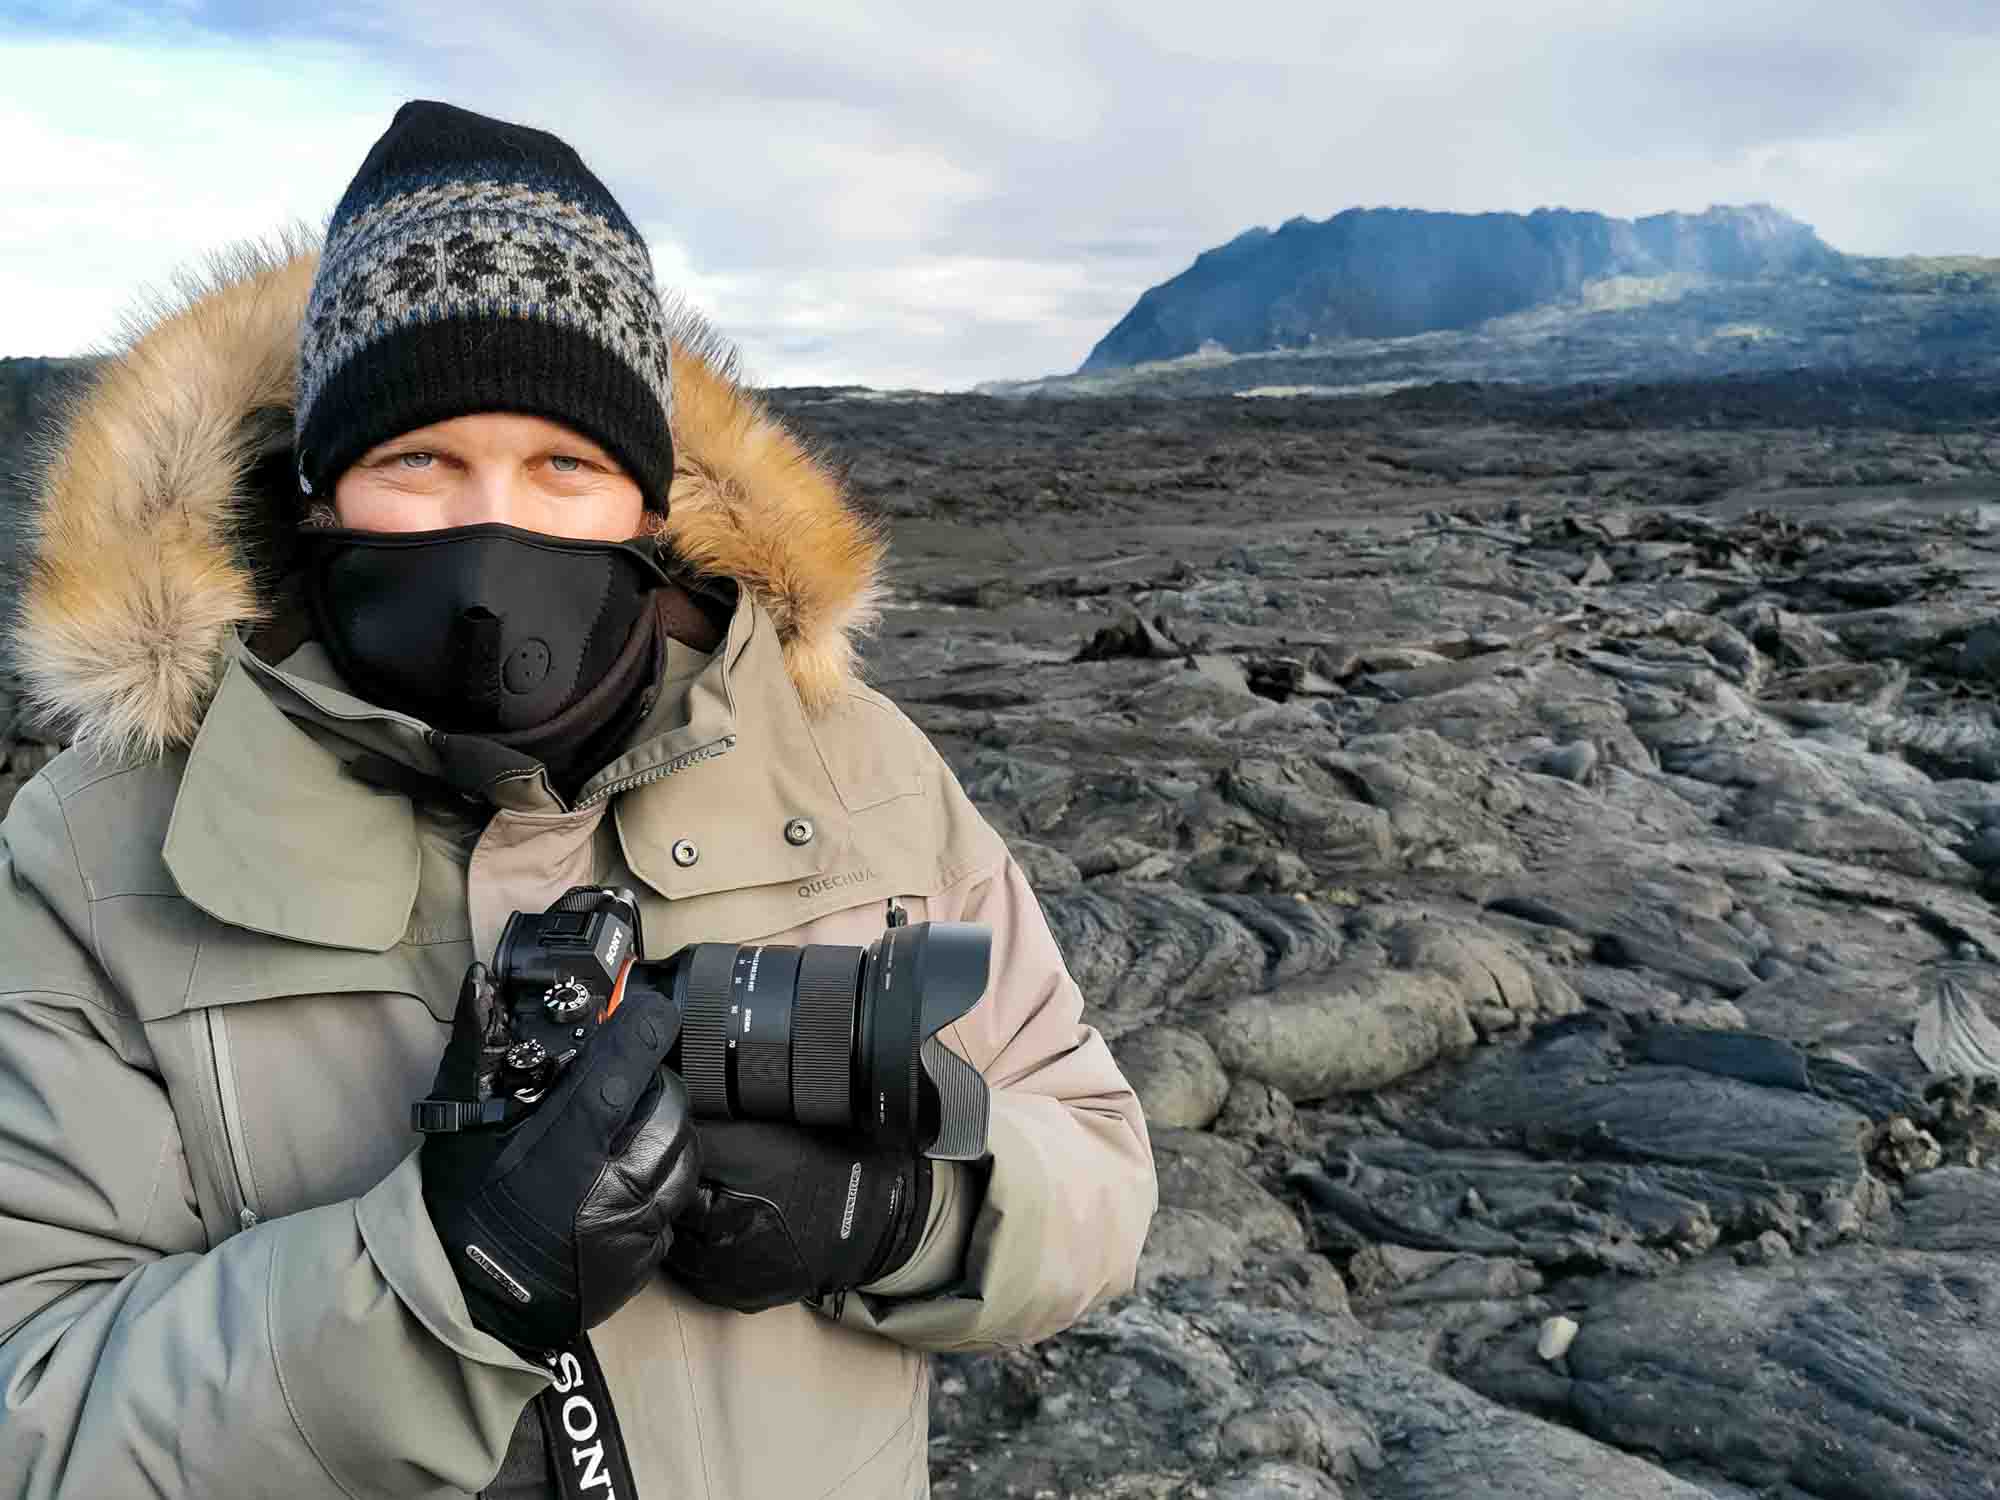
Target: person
x=387, y=587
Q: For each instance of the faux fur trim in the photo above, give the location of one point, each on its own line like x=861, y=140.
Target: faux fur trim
x=135, y=571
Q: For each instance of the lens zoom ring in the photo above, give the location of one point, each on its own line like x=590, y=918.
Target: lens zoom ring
x=823, y=1036
x=763, y=1083
x=764, y=1043
x=705, y=1030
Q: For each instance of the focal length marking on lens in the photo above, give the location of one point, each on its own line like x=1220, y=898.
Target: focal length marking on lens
x=745, y=979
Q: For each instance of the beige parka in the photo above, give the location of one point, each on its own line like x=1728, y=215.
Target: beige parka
x=227, y=965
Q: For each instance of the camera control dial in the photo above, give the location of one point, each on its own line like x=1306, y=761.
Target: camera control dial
x=566, y=1000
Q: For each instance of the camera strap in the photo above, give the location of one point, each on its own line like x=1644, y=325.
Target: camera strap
x=580, y=1429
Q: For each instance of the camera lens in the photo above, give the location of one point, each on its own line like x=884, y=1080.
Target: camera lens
x=767, y=1033
x=824, y=1036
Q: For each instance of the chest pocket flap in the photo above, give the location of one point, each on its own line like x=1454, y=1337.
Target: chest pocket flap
x=192, y=962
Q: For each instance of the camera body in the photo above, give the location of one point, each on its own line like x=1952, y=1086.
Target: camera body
x=821, y=1035
x=561, y=973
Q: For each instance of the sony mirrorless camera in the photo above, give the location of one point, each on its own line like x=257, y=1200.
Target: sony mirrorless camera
x=822, y=1035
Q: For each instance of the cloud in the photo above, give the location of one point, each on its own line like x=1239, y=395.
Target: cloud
x=902, y=193
x=119, y=171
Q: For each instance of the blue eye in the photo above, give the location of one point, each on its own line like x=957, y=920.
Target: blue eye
x=559, y=459
x=426, y=456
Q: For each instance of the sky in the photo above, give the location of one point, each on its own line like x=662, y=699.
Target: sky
x=930, y=195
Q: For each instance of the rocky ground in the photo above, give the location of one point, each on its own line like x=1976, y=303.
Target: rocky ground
x=1512, y=859
x=1535, y=869
x=25, y=747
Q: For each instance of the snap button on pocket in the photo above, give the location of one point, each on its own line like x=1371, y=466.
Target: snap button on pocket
x=799, y=831
x=685, y=852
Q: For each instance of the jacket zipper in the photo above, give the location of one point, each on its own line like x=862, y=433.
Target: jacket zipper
x=232, y=1115
x=679, y=763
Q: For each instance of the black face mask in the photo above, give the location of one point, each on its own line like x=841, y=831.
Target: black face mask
x=479, y=629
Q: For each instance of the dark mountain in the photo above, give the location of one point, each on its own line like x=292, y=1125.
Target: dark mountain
x=1390, y=273
x=30, y=391
x=27, y=387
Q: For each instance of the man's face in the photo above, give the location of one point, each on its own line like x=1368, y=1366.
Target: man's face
x=504, y=467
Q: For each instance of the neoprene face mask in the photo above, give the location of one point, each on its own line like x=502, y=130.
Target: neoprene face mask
x=478, y=629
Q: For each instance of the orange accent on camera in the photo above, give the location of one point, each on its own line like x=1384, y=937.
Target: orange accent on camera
x=617, y=991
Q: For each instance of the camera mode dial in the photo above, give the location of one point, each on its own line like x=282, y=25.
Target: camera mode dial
x=527, y=1057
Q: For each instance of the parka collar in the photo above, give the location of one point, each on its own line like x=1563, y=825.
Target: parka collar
x=272, y=832
x=165, y=500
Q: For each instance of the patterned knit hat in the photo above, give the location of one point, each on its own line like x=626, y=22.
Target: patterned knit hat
x=471, y=266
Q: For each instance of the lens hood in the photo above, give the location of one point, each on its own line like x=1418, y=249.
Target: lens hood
x=929, y=974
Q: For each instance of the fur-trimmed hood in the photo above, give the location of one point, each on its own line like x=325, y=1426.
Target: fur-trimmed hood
x=138, y=563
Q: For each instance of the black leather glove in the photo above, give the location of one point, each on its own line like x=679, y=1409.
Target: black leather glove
x=784, y=1214
x=554, y=1220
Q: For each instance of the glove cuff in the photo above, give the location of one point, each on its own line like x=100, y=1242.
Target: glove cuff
x=909, y=1213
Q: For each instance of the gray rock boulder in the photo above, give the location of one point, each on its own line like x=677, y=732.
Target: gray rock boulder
x=1175, y=1074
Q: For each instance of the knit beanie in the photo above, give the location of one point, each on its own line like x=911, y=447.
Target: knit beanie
x=474, y=266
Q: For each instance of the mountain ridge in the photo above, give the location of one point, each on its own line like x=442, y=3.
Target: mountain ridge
x=1735, y=291
x=1399, y=272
